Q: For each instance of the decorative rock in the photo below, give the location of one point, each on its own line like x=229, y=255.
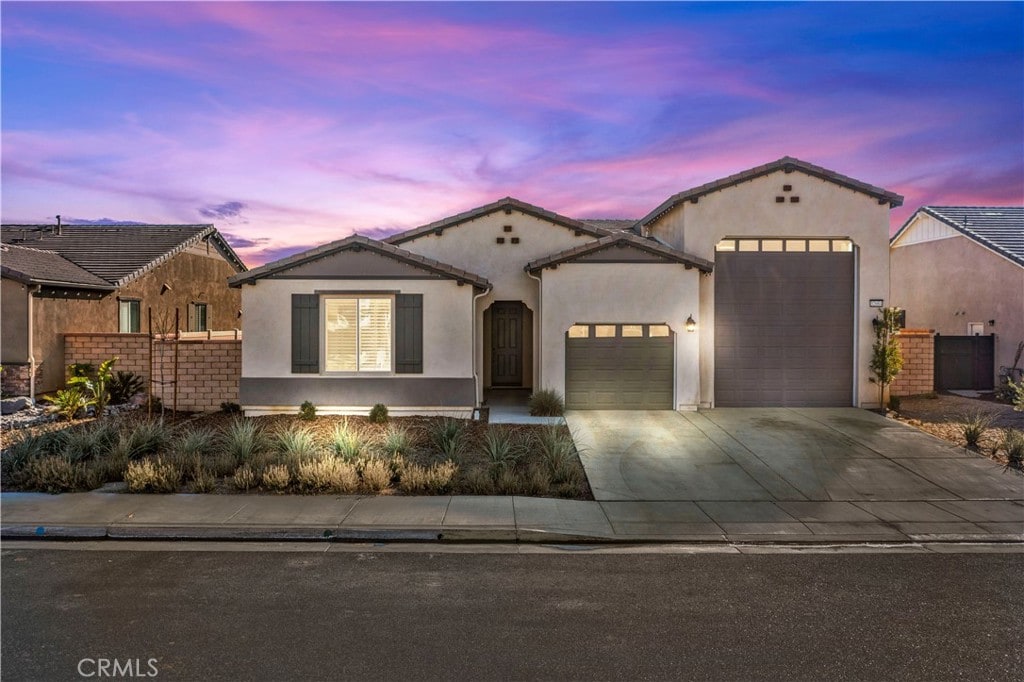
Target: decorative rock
x=12, y=405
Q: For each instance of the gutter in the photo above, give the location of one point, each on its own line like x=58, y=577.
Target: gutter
x=476, y=375
x=31, y=345
x=539, y=341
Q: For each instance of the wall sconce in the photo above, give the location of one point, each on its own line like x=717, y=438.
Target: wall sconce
x=691, y=324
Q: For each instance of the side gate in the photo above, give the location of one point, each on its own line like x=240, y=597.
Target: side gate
x=965, y=362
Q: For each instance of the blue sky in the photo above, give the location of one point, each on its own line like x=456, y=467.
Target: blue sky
x=290, y=124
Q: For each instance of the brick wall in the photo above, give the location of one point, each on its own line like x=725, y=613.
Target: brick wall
x=917, y=375
x=208, y=369
x=14, y=379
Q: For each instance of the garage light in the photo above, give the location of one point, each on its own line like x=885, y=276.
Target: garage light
x=691, y=324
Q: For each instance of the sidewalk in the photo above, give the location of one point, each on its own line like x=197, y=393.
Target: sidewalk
x=97, y=515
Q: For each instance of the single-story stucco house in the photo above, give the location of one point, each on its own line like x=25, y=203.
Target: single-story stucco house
x=959, y=270
x=756, y=289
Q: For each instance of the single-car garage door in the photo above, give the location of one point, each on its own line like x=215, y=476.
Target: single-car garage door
x=784, y=322
x=619, y=367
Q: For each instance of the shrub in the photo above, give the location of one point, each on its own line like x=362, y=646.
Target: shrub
x=376, y=474
x=435, y=479
x=244, y=478
x=196, y=441
x=397, y=440
x=144, y=437
x=277, y=477
x=203, y=480
x=347, y=441
x=230, y=408
x=502, y=447
x=449, y=436
x=89, y=442
x=110, y=468
x=379, y=414
x=974, y=426
x=557, y=452
x=242, y=439
x=14, y=460
x=68, y=402
x=296, y=444
x=54, y=474
x=894, y=403
x=546, y=403
x=1016, y=391
x=478, y=482
x=328, y=474
x=222, y=464
x=1012, y=443
x=152, y=476
x=124, y=386
x=307, y=411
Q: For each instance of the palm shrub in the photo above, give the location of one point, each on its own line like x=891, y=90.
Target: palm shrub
x=546, y=403
x=97, y=384
x=124, y=386
x=886, y=356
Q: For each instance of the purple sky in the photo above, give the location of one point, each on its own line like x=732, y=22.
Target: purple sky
x=291, y=124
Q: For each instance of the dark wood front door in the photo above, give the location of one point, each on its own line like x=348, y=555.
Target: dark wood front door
x=507, y=343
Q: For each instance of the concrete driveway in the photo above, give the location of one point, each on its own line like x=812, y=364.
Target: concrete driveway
x=778, y=454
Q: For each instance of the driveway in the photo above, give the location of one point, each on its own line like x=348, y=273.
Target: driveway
x=778, y=454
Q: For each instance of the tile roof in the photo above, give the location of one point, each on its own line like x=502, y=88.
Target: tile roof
x=36, y=266
x=643, y=243
x=355, y=243
x=1000, y=228
x=506, y=203
x=787, y=164
x=117, y=253
x=611, y=224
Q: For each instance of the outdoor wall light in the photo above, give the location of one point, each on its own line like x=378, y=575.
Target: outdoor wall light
x=691, y=324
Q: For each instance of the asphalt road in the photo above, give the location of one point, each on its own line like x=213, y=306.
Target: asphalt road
x=376, y=615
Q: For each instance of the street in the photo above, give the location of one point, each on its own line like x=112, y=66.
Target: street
x=235, y=613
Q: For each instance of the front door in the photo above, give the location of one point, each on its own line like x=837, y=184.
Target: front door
x=507, y=343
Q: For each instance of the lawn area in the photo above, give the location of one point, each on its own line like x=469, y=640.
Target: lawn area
x=221, y=453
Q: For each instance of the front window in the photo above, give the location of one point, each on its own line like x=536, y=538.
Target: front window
x=129, y=316
x=357, y=334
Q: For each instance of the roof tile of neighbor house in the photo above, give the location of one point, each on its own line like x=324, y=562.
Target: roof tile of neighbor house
x=624, y=238
x=118, y=254
x=611, y=224
x=787, y=164
x=1000, y=228
x=355, y=243
x=35, y=266
x=506, y=203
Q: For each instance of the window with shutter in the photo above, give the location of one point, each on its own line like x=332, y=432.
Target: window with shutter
x=358, y=334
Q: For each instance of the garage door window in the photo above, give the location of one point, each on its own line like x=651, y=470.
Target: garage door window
x=632, y=330
x=658, y=330
x=604, y=331
x=579, y=331
x=789, y=245
x=619, y=331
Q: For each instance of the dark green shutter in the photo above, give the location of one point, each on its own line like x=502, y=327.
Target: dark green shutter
x=305, y=334
x=409, y=334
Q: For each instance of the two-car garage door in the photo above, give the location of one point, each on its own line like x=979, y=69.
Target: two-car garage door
x=619, y=367
x=784, y=323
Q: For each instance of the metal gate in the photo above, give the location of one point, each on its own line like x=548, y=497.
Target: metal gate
x=965, y=362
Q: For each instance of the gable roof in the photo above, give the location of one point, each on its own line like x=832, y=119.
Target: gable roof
x=508, y=203
x=786, y=164
x=625, y=239
x=999, y=228
x=35, y=266
x=356, y=243
x=611, y=224
x=118, y=254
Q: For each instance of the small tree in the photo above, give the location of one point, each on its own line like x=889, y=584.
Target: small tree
x=886, y=356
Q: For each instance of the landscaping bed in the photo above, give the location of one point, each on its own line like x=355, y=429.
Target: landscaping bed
x=998, y=428
x=222, y=453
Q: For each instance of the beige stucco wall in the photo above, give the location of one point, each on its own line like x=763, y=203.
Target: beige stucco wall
x=14, y=305
x=824, y=210
x=627, y=293
x=193, y=276
x=447, y=323
x=472, y=246
x=945, y=284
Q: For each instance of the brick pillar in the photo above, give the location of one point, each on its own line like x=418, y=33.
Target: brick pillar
x=918, y=373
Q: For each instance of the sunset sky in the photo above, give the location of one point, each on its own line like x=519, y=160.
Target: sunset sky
x=292, y=124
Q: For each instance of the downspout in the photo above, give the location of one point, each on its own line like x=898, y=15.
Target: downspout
x=478, y=394
x=539, y=341
x=31, y=344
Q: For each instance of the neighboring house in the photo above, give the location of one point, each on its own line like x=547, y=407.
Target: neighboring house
x=752, y=290
x=959, y=270
x=59, y=279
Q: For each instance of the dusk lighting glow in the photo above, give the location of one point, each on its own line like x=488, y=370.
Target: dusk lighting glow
x=291, y=124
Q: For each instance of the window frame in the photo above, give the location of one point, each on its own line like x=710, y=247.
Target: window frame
x=357, y=297
x=193, y=319
x=138, y=317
